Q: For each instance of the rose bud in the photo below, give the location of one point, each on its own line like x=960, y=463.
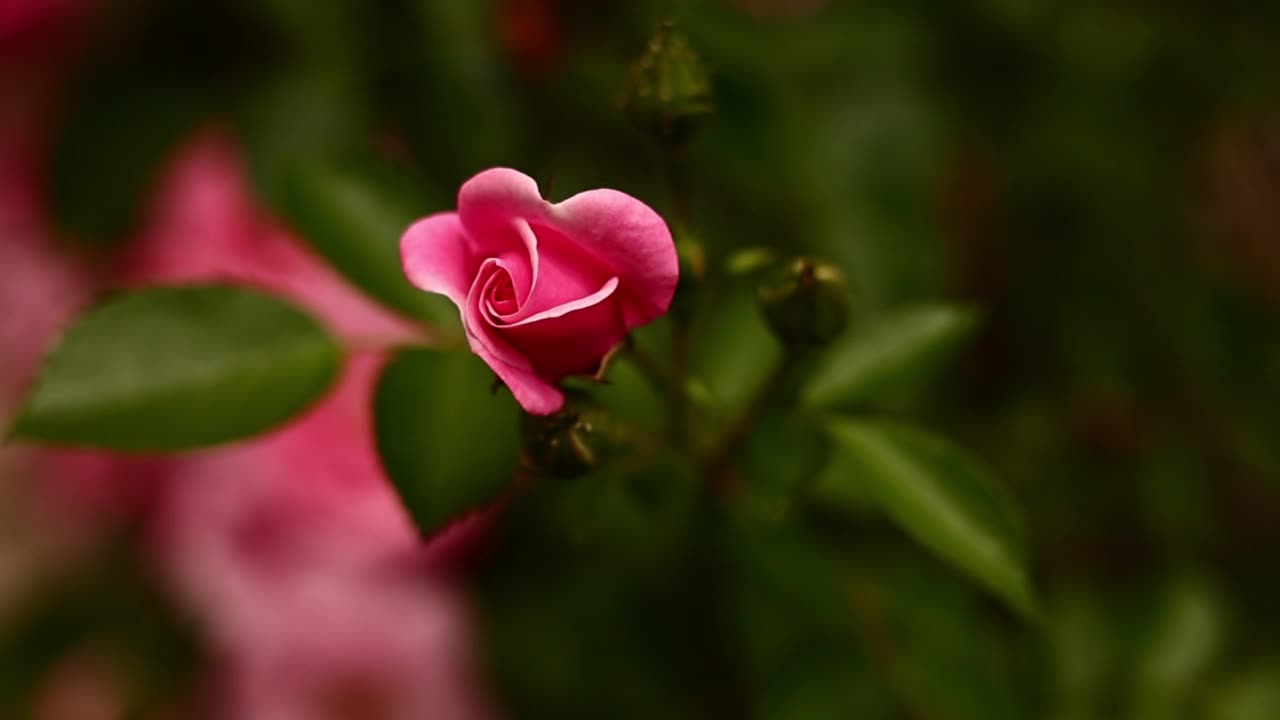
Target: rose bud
x=669, y=91
x=808, y=306
x=545, y=290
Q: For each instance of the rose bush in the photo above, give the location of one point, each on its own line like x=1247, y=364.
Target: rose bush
x=545, y=290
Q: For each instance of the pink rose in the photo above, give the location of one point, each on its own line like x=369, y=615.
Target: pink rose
x=545, y=290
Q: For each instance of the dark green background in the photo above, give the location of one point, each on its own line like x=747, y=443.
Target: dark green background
x=1100, y=180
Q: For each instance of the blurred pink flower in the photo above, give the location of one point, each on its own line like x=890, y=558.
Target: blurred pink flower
x=270, y=539
x=205, y=225
x=301, y=566
x=291, y=549
x=332, y=645
x=41, y=289
x=307, y=494
x=265, y=540
x=545, y=290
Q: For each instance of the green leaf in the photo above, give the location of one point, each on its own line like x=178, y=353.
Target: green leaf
x=173, y=368
x=448, y=441
x=1179, y=652
x=356, y=222
x=889, y=353
x=937, y=493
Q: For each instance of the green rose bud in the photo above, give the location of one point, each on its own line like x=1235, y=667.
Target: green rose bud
x=669, y=91
x=808, y=306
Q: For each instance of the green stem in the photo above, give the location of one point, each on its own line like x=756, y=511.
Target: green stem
x=726, y=694
x=677, y=188
x=721, y=461
x=775, y=392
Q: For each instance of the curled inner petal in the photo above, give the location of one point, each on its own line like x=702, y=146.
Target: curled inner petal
x=570, y=338
x=594, y=298
x=500, y=294
x=562, y=271
x=478, y=313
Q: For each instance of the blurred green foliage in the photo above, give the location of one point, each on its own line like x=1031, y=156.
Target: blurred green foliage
x=1097, y=178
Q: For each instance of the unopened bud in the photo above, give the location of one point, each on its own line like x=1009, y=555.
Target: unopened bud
x=669, y=91
x=568, y=443
x=808, y=306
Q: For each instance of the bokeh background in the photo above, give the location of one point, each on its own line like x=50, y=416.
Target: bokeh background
x=1101, y=180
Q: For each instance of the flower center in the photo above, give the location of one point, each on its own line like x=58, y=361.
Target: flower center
x=502, y=295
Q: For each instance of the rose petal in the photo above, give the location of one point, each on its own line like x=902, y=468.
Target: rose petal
x=572, y=338
x=631, y=239
x=476, y=321
x=535, y=395
x=488, y=202
x=565, y=272
x=594, y=298
x=521, y=260
x=437, y=257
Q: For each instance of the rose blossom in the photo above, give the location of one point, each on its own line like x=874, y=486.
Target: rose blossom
x=545, y=290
